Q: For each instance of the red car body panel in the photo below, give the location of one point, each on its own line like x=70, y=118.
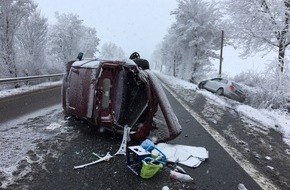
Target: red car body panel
x=112, y=94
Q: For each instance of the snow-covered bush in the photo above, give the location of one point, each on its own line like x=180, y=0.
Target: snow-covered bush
x=250, y=78
x=276, y=85
x=270, y=89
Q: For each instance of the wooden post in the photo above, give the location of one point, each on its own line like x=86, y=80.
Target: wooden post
x=174, y=69
x=174, y=64
x=221, y=54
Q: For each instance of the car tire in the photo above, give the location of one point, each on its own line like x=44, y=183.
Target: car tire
x=220, y=91
x=200, y=86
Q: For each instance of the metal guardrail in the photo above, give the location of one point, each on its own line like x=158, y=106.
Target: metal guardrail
x=21, y=79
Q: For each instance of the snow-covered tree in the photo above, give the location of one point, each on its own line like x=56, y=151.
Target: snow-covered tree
x=89, y=41
x=12, y=12
x=65, y=37
x=261, y=25
x=156, y=58
x=112, y=51
x=69, y=36
x=193, y=39
x=31, y=43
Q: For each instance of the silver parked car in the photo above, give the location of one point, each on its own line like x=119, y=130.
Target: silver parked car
x=224, y=87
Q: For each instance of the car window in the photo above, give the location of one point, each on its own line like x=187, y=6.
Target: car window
x=237, y=86
x=224, y=81
x=216, y=79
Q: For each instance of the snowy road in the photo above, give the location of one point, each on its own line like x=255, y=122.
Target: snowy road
x=25, y=124
x=41, y=148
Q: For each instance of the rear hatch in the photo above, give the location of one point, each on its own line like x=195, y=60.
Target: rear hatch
x=238, y=90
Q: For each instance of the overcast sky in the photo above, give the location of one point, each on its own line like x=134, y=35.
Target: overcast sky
x=135, y=25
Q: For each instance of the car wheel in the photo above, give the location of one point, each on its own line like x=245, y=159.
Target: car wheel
x=220, y=91
x=200, y=86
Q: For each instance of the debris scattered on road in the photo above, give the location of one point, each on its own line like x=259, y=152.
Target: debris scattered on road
x=146, y=144
x=180, y=176
x=150, y=167
x=141, y=161
x=126, y=138
x=165, y=188
x=147, y=159
x=180, y=169
x=53, y=126
x=67, y=117
x=242, y=187
x=122, y=150
x=135, y=155
x=270, y=167
x=186, y=155
x=105, y=158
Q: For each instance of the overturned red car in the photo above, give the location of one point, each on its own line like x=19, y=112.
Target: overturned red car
x=111, y=94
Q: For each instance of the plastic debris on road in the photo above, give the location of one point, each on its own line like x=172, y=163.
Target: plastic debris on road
x=53, y=126
x=186, y=155
x=165, y=188
x=122, y=150
x=141, y=162
x=105, y=158
x=179, y=176
x=180, y=169
x=126, y=138
x=242, y=187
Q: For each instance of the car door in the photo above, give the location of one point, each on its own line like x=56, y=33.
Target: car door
x=213, y=84
x=224, y=83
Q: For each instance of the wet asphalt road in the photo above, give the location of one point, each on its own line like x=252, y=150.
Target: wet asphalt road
x=18, y=105
x=76, y=146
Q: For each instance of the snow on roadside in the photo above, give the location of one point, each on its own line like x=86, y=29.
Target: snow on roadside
x=216, y=100
x=276, y=119
x=178, y=83
x=257, y=115
x=19, y=139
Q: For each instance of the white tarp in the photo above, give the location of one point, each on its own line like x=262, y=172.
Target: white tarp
x=187, y=155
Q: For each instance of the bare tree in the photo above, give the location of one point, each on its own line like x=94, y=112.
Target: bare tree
x=12, y=12
x=261, y=25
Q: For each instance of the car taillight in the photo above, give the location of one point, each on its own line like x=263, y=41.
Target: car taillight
x=232, y=88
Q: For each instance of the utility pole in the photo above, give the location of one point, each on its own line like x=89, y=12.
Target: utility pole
x=221, y=54
x=174, y=69
x=174, y=65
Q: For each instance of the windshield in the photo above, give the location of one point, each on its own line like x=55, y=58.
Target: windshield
x=237, y=86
